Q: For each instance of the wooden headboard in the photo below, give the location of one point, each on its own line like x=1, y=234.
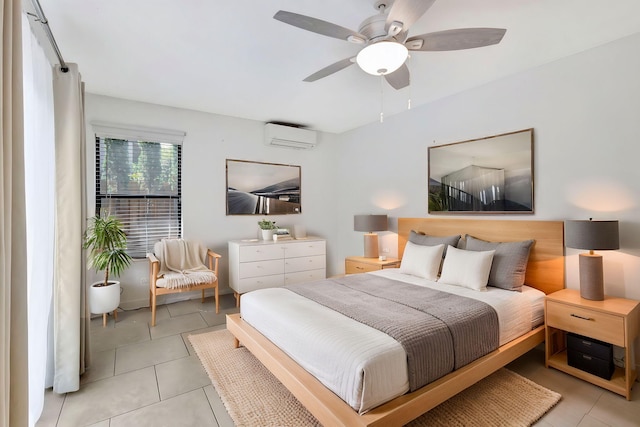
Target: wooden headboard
x=545, y=270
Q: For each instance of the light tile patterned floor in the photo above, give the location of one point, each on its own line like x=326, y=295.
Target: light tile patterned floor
x=143, y=376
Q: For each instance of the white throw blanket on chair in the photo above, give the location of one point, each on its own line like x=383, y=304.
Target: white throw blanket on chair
x=182, y=263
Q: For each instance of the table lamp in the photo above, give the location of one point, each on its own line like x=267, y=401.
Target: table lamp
x=591, y=235
x=370, y=224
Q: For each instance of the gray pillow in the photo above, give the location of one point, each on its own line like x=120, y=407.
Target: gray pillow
x=509, y=261
x=426, y=240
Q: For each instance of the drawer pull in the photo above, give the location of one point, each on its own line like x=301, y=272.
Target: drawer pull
x=582, y=317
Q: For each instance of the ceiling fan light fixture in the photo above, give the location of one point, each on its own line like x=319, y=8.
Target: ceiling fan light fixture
x=382, y=58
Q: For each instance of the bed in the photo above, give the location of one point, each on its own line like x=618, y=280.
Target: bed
x=544, y=271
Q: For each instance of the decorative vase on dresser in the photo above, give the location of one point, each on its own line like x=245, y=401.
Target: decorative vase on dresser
x=258, y=264
x=267, y=234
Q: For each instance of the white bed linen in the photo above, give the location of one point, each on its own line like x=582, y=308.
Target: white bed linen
x=514, y=309
x=362, y=365
x=338, y=351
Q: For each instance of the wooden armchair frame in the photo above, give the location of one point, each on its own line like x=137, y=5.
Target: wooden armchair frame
x=154, y=269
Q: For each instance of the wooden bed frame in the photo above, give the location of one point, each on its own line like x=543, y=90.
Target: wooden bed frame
x=545, y=271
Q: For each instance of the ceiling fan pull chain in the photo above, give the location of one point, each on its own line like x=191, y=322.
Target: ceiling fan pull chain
x=409, y=84
x=381, y=98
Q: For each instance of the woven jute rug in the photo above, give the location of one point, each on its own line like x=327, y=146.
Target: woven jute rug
x=255, y=398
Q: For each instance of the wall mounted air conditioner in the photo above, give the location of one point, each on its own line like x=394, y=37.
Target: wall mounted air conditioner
x=289, y=136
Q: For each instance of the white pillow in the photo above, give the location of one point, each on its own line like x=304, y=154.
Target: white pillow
x=467, y=268
x=421, y=261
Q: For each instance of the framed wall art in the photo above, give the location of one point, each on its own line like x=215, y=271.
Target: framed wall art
x=486, y=175
x=256, y=188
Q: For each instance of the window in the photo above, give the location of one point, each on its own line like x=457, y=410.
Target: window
x=139, y=182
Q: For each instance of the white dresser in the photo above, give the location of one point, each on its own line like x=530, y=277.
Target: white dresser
x=258, y=264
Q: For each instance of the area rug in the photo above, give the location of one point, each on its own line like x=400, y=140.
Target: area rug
x=255, y=398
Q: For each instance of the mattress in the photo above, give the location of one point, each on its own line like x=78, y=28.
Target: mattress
x=362, y=365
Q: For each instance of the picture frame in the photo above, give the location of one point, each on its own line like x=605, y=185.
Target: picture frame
x=257, y=188
x=490, y=175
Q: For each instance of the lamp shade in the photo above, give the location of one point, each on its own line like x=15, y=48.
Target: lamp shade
x=369, y=223
x=382, y=58
x=592, y=235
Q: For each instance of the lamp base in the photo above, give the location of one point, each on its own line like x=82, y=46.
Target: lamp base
x=371, y=245
x=591, y=277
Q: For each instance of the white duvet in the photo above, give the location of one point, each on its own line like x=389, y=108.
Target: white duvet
x=362, y=365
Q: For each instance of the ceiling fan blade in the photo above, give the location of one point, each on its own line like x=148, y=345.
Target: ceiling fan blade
x=399, y=78
x=407, y=12
x=458, y=39
x=319, y=26
x=327, y=71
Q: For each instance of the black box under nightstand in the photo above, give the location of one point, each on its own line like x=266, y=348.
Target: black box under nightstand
x=589, y=355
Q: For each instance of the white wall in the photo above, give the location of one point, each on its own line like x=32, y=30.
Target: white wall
x=584, y=110
x=210, y=140
x=585, y=113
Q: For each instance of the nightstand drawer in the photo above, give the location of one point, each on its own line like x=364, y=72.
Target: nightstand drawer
x=353, y=267
x=601, y=326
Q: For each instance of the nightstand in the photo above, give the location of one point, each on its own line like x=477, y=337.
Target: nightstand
x=359, y=264
x=614, y=320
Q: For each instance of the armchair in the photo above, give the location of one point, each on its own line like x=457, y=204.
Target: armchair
x=179, y=265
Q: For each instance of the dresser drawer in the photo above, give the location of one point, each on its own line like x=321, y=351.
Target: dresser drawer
x=583, y=321
x=315, y=262
x=260, y=268
x=302, y=249
x=353, y=267
x=304, y=276
x=260, y=252
x=253, y=283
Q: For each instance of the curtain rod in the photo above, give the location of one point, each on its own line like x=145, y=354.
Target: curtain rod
x=45, y=25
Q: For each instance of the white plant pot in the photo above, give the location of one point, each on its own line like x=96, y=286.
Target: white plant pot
x=104, y=299
x=267, y=234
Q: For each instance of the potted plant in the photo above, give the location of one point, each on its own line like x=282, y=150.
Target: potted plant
x=106, y=242
x=267, y=227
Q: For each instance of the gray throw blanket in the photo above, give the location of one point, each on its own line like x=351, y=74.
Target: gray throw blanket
x=439, y=331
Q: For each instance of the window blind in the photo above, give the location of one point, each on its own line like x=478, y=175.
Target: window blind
x=139, y=182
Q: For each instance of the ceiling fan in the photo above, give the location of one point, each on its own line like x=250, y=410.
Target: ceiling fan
x=385, y=39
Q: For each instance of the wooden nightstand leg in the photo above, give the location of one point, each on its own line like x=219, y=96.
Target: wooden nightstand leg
x=629, y=371
x=547, y=346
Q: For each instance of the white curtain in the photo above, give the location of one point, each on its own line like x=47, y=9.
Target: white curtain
x=69, y=295
x=13, y=267
x=39, y=139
